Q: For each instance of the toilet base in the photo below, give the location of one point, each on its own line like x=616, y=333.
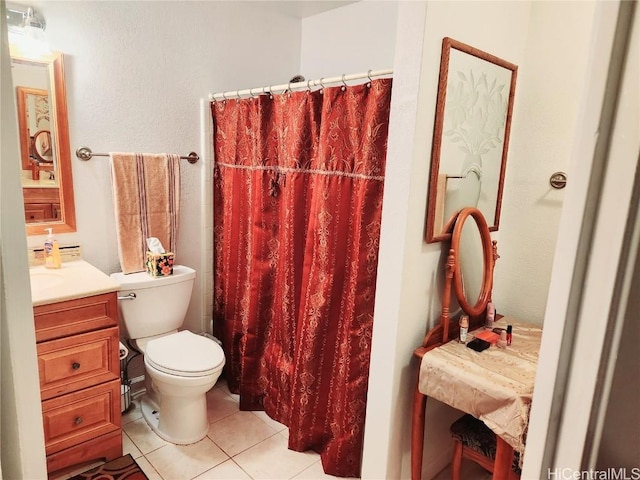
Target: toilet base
x=151, y=412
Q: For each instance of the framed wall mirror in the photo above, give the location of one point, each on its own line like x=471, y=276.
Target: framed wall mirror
x=34, y=120
x=45, y=157
x=471, y=137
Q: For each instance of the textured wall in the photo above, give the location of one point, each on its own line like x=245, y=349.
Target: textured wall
x=135, y=74
x=544, y=124
x=352, y=39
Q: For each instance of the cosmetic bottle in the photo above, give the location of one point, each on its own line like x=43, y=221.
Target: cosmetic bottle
x=509, y=331
x=502, y=342
x=52, y=257
x=491, y=314
x=464, y=328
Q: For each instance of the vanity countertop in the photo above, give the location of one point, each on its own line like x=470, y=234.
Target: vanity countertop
x=43, y=182
x=75, y=279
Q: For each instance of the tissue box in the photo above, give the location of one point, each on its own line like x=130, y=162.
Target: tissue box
x=159, y=264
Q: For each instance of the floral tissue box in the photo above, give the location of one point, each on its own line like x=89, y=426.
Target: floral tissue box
x=159, y=264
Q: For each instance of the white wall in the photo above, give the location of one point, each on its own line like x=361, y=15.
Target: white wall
x=351, y=39
x=408, y=295
x=22, y=437
x=135, y=74
x=550, y=80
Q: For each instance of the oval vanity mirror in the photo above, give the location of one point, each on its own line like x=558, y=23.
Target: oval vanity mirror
x=45, y=156
x=473, y=261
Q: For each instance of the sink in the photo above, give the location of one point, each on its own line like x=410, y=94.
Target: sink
x=44, y=280
x=74, y=279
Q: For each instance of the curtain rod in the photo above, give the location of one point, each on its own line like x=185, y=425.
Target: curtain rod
x=85, y=153
x=323, y=82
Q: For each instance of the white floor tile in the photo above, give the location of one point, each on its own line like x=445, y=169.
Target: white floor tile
x=238, y=432
x=314, y=472
x=277, y=426
x=186, y=461
x=132, y=414
x=228, y=470
x=220, y=404
x=271, y=460
x=148, y=469
x=142, y=436
x=129, y=447
x=222, y=385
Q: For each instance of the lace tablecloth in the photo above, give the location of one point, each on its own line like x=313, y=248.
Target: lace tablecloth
x=495, y=385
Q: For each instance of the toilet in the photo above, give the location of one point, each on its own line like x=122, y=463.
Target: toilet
x=180, y=366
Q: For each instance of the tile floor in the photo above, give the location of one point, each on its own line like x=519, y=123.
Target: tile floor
x=239, y=446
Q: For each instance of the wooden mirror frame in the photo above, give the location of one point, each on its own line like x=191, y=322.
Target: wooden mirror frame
x=59, y=115
x=437, y=227
x=36, y=152
x=443, y=331
x=487, y=258
x=26, y=138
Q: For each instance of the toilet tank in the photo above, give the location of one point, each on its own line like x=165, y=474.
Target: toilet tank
x=160, y=303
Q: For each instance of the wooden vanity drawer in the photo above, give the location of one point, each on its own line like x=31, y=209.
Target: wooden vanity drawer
x=80, y=416
x=61, y=319
x=69, y=364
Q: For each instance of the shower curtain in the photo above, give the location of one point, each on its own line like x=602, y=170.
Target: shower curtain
x=298, y=184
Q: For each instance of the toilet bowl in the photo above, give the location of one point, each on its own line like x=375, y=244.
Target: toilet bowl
x=180, y=366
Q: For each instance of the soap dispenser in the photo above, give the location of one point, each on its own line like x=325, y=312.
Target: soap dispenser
x=51, y=251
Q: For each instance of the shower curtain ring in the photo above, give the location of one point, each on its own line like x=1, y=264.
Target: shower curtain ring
x=369, y=77
x=344, y=84
x=321, y=85
x=308, y=85
x=224, y=97
x=289, y=88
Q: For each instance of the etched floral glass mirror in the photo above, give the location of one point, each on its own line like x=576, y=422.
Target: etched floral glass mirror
x=471, y=136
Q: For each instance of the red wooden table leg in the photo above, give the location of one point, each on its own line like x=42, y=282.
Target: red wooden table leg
x=504, y=457
x=417, y=433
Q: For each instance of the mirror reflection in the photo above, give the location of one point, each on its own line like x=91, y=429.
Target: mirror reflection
x=41, y=147
x=45, y=159
x=471, y=261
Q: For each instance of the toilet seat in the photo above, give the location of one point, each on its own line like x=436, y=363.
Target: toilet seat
x=184, y=354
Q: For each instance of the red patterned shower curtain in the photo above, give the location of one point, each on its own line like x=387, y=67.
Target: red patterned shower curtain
x=298, y=189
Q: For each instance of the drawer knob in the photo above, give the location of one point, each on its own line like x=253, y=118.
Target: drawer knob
x=75, y=365
x=77, y=421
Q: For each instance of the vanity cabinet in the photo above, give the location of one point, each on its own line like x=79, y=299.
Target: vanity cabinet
x=41, y=204
x=79, y=368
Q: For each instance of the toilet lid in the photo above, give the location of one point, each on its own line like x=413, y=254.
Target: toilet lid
x=185, y=354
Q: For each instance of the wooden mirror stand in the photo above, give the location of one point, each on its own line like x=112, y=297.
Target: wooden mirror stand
x=444, y=331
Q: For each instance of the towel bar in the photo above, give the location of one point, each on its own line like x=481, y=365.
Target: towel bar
x=85, y=153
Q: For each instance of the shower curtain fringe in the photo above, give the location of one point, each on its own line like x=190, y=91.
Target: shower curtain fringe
x=304, y=85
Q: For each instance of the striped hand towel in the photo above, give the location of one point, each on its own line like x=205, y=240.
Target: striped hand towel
x=146, y=198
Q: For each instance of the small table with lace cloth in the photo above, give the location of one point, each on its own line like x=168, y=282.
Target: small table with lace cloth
x=495, y=385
